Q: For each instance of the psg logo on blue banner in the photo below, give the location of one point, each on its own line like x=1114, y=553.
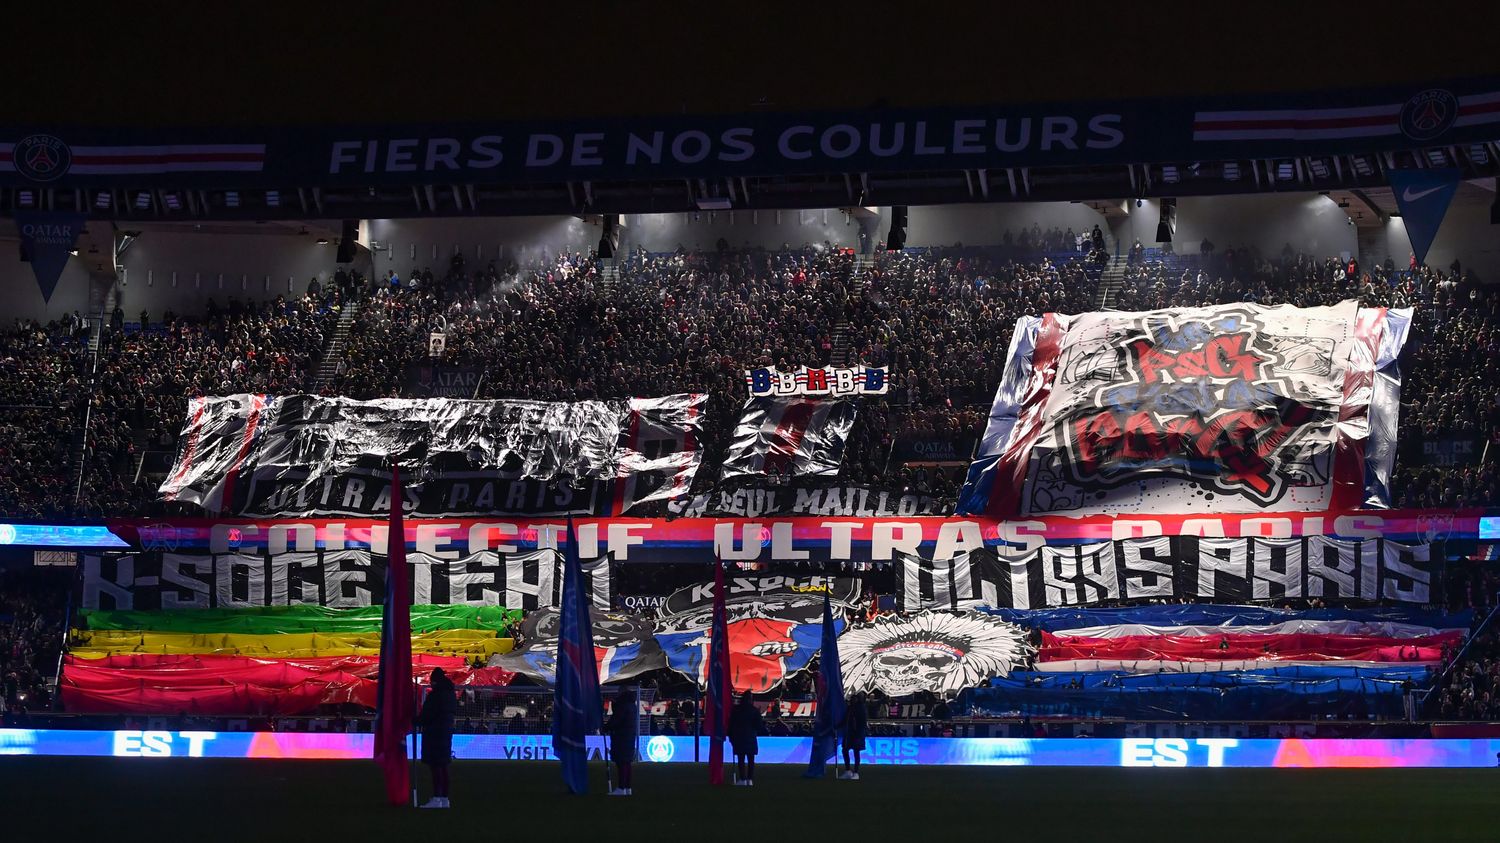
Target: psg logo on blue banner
x=42, y=157
x=1429, y=114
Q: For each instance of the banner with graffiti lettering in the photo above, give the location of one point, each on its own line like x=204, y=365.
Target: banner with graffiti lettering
x=296, y=455
x=350, y=578
x=775, y=627
x=1233, y=408
x=624, y=646
x=1174, y=568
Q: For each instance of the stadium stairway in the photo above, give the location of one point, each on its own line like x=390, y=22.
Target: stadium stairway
x=1110, y=282
x=858, y=285
x=333, y=354
x=609, y=275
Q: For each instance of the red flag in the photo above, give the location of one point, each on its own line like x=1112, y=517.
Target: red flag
x=395, y=700
x=717, y=699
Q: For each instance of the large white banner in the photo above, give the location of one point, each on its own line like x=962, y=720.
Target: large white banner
x=1233, y=408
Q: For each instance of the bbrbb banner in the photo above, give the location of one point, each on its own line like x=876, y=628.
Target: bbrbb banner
x=790, y=437
x=1171, y=568
x=822, y=382
x=340, y=579
x=1234, y=408
x=748, y=497
x=264, y=455
x=775, y=627
x=624, y=646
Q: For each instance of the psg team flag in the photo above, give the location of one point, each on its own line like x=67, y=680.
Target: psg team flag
x=830, y=687
x=395, y=694
x=577, y=707
x=717, y=699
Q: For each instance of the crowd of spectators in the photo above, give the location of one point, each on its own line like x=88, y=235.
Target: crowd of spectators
x=33, y=610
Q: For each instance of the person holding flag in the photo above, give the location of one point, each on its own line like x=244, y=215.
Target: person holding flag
x=395, y=695
x=577, y=709
x=830, y=691
x=856, y=728
x=717, y=696
x=745, y=728
x=623, y=728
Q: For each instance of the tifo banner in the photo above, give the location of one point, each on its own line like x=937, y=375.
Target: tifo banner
x=789, y=437
x=47, y=241
x=823, y=382
x=340, y=579
x=939, y=653
x=775, y=625
x=750, y=497
x=624, y=646
x=1234, y=408
x=266, y=455
x=1171, y=568
x=812, y=540
x=662, y=749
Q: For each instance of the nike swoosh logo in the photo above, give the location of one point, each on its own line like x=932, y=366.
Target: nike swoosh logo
x=1408, y=196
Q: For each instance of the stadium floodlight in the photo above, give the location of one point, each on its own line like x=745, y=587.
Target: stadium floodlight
x=232, y=198
x=1285, y=171
x=273, y=198
x=26, y=198
x=1319, y=168
x=1479, y=154
x=173, y=201
x=102, y=200
x=1231, y=171
x=1362, y=166
x=1437, y=158
x=142, y=200
x=713, y=203
x=1169, y=173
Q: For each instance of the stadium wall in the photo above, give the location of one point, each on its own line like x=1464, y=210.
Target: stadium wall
x=22, y=296
x=244, y=260
x=1309, y=222
x=1466, y=234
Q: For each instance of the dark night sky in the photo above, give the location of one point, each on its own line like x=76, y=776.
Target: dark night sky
x=273, y=63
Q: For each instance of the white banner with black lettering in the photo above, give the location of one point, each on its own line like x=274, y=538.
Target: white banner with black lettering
x=1176, y=567
x=340, y=579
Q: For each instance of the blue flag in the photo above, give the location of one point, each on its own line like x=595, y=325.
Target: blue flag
x=1423, y=197
x=47, y=241
x=577, y=708
x=830, y=685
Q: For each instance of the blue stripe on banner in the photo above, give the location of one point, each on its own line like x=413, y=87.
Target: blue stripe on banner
x=1208, y=614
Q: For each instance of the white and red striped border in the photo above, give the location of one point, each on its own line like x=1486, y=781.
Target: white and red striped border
x=151, y=160
x=1309, y=124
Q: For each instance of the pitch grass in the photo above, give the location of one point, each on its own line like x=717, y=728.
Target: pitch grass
x=336, y=801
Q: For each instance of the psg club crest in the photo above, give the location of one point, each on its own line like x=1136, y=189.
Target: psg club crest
x=42, y=157
x=1429, y=114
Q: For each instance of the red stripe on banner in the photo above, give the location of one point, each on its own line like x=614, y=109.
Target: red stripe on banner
x=617, y=505
x=1479, y=108
x=1010, y=470
x=786, y=441
x=170, y=158
x=689, y=444
x=1359, y=379
x=1294, y=123
x=257, y=403
x=1297, y=646
x=189, y=450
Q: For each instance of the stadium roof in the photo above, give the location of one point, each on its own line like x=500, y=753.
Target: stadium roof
x=287, y=114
